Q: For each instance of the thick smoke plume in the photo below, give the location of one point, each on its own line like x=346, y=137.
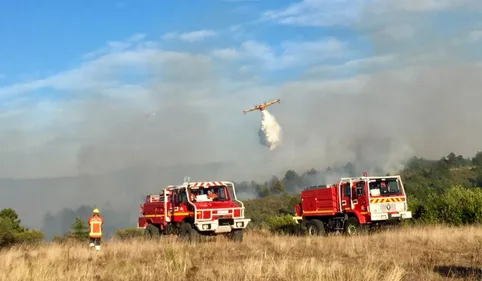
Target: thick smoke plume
x=416, y=93
x=269, y=131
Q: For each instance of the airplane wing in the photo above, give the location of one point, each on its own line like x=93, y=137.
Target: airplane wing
x=272, y=102
x=248, y=110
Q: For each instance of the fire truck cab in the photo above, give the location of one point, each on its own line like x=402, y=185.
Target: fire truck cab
x=353, y=205
x=193, y=209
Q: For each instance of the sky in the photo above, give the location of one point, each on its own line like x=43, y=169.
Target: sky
x=369, y=81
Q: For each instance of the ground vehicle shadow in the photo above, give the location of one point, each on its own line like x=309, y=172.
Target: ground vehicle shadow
x=459, y=271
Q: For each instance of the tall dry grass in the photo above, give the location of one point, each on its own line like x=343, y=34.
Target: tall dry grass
x=408, y=254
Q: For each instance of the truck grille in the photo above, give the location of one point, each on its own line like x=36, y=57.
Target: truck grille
x=384, y=207
x=226, y=221
x=388, y=207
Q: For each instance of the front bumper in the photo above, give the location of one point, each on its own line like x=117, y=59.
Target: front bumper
x=387, y=216
x=214, y=226
x=141, y=222
x=297, y=219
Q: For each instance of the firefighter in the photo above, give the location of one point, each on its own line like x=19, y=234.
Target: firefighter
x=95, y=224
x=212, y=194
x=383, y=187
x=192, y=195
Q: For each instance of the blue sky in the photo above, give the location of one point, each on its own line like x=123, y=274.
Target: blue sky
x=373, y=82
x=43, y=38
x=72, y=73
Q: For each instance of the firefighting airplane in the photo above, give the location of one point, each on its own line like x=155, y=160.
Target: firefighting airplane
x=261, y=107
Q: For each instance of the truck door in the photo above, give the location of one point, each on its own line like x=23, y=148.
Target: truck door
x=178, y=206
x=174, y=203
x=359, y=196
x=346, y=195
x=182, y=202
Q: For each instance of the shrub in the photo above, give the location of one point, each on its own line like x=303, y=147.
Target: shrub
x=6, y=233
x=60, y=239
x=79, y=230
x=455, y=206
x=458, y=206
x=283, y=224
x=128, y=233
x=9, y=234
x=10, y=214
x=28, y=237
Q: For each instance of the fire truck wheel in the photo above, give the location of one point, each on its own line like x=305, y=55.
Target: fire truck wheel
x=236, y=235
x=315, y=228
x=152, y=231
x=188, y=233
x=352, y=227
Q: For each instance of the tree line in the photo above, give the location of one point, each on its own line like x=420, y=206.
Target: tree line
x=420, y=176
x=447, y=190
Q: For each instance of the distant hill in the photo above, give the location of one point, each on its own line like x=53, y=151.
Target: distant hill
x=57, y=201
x=123, y=189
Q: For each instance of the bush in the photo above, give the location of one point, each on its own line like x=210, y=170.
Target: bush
x=11, y=232
x=29, y=237
x=6, y=233
x=129, y=233
x=283, y=224
x=79, y=230
x=10, y=235
x=456, y=206
x=60, y=239
x=10, y=214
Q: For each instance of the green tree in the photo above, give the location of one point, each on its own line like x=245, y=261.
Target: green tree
x=477, y=159
x=350, y=169
x=457, y=206
x=278, y=187
x=30, y=236
x=264, y=190
x=291, y=181
x=11, y=215
x=80, y=229
x=311, y=172
x=11, y=232
x=6, y=232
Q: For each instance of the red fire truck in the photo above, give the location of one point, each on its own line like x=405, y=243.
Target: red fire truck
x=193, y=209
x=352, y=205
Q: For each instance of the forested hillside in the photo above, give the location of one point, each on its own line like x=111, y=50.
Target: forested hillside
x=445, y=190
x=439, y=191
x=435, y=189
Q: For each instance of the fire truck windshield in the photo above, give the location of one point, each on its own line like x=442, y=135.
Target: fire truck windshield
x=384, y=187
x=216, y=193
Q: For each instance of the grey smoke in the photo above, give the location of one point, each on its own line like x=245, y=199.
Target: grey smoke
x=103, y=149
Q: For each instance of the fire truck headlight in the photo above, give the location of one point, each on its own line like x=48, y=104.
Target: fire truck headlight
x=239, y=224
x=206, y=226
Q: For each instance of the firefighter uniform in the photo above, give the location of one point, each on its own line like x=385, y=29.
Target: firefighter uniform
x=95, y=225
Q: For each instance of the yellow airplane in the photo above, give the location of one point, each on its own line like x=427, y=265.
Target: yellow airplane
x=261, y=107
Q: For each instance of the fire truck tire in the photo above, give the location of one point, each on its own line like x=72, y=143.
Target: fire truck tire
x=236, y=235
x=352, y=227
x=315, y=227
x=152, y=231
x=375, y=229
x=188, y=233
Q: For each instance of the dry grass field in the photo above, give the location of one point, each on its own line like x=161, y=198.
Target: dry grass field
x=440, y=253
